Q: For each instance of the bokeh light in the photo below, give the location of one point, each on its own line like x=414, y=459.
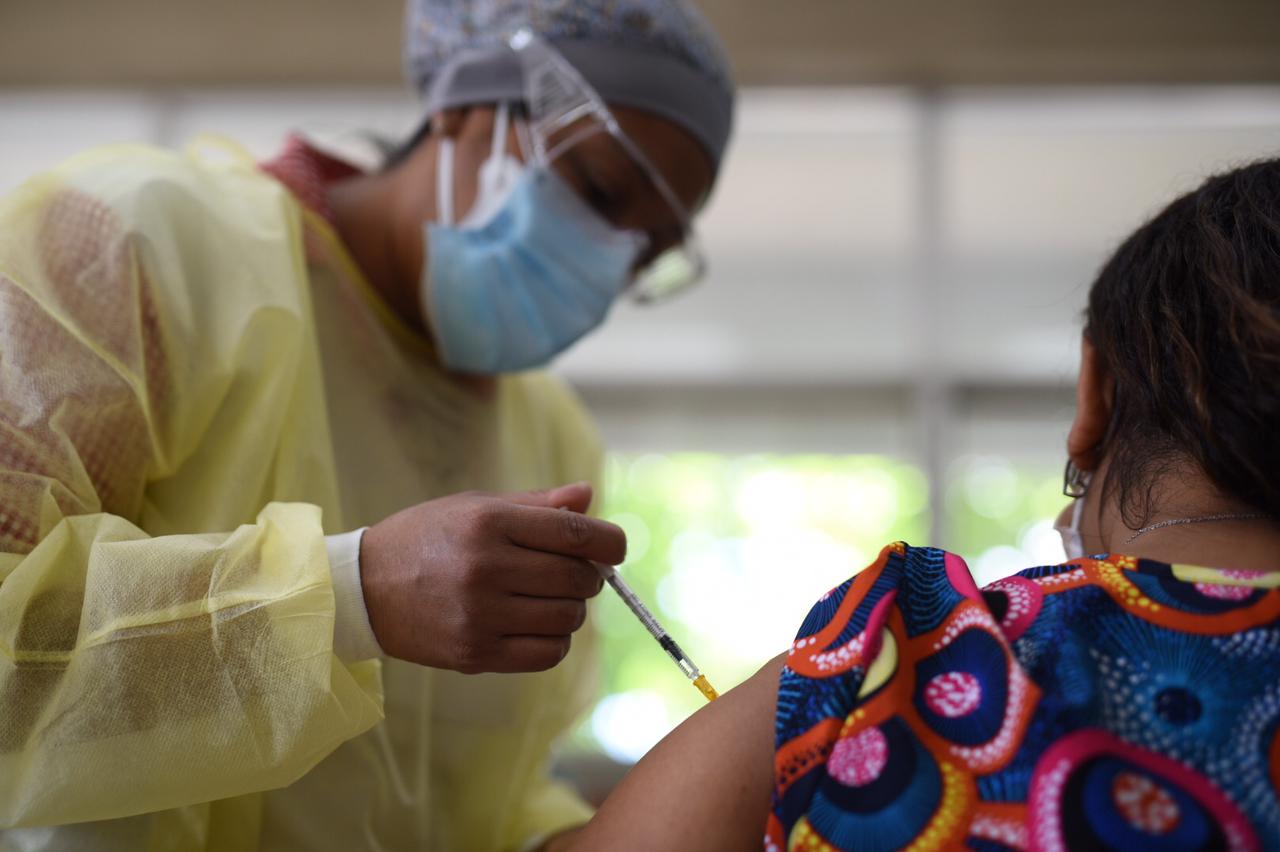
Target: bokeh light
x=628, y=724
x=1000, y=515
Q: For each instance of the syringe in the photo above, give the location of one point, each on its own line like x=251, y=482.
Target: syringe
x=655, y=629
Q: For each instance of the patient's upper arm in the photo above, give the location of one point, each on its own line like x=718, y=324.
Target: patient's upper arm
x=706, y=786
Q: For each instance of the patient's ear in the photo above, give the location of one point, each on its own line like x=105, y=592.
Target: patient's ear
x=1095, y=399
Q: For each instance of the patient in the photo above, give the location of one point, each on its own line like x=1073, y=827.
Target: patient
x=1115, y=701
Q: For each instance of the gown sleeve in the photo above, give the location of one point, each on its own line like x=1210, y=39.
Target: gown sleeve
x=146, y=327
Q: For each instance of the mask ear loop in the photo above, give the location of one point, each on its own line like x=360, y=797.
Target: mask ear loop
x=1077, y=509
x=1076, y=486
x=445, y=159
x=444, y=182
x=501, y=124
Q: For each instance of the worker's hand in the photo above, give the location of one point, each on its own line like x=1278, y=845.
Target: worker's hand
x=486, y=583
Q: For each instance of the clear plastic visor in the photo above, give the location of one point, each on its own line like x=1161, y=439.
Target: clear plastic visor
x=569, y=128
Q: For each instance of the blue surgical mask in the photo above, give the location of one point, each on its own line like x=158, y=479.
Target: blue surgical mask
x=531, y=270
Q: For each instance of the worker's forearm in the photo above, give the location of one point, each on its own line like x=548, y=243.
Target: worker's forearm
x=190, y=668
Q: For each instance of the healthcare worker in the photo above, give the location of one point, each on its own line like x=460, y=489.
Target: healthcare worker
x=250, y=597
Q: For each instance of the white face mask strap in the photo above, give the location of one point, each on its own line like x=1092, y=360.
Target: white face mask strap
x=444, y=182
x=1076, y=511
x=501, y=124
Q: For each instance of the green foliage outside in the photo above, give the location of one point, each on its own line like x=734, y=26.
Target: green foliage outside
x=729, y=552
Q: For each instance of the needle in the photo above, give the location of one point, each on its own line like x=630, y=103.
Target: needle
x=655, y=629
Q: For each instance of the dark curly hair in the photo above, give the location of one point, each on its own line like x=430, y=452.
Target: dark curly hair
x=1186, y=316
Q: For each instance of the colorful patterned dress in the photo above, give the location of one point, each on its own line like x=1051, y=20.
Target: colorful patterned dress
x=1106, y=703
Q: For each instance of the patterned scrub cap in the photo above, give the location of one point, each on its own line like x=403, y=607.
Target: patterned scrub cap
x=660, y=56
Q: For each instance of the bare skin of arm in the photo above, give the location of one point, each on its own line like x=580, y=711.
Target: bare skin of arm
x=705, y=787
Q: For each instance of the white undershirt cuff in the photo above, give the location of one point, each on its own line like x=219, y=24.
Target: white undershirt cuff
x=353, y=638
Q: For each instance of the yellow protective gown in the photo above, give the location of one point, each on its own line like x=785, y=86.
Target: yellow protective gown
x=195, y=386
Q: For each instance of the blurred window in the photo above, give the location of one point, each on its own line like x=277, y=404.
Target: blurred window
x=885, y=347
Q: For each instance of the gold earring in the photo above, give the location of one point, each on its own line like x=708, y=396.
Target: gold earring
x=1075, y=482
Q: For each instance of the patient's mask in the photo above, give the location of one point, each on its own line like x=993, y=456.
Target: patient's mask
x=530, y=270
x=1072, y=541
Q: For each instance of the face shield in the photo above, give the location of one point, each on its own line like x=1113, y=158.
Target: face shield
x=563, y=115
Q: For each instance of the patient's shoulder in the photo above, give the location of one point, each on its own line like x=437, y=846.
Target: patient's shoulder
x=923, y=585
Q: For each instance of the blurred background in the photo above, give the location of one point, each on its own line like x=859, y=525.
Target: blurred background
x=901, y=245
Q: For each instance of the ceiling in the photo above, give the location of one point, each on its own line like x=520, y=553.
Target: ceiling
x=166, y=43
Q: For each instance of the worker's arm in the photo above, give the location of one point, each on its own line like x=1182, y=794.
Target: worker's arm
x=706, y=786
x=141, y=672
x=159, y=374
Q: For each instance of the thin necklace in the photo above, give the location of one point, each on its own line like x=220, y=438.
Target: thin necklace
x=1203, y=519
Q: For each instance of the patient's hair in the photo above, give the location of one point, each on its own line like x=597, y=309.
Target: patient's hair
x=1186, y=315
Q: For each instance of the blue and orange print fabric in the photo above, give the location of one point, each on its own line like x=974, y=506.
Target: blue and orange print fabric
x=1103, y=703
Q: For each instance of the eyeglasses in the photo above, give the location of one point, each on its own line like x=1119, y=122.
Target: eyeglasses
x=563, y=110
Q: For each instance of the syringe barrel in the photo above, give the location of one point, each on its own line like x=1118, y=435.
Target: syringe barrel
x=650, y=622
x=677, y=653
x=636, y=605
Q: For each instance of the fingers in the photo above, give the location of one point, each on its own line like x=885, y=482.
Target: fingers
x=502, y=580
x=566, y=533
x=575, y=497
x=554, y=617
x=531, y=653
x=546, y=575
